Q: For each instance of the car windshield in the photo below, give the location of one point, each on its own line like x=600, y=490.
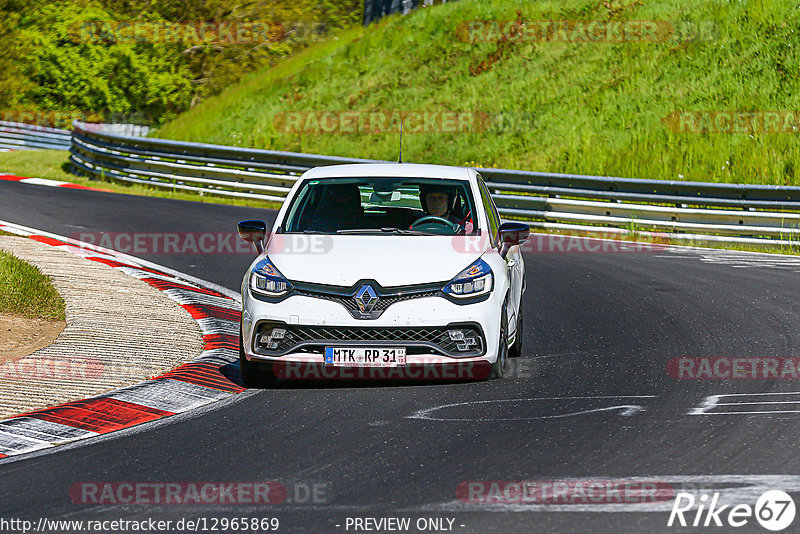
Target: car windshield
x=380, y=205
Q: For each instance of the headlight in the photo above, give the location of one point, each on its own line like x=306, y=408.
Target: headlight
x=473, y=281
x=267, y=280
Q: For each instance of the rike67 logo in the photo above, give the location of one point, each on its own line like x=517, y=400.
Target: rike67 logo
x=774, y=510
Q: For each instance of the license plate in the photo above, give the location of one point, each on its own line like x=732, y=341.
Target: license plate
x=365, y=357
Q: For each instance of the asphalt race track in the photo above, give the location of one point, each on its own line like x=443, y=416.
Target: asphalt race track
x=589, y=398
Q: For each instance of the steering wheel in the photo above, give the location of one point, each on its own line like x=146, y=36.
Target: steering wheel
x=430, y=222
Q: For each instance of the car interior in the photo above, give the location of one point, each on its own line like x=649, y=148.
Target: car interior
x=349, y=206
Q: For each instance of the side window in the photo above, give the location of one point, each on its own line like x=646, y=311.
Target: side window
x=491, y=211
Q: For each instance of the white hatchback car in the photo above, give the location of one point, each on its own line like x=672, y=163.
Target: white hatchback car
x=383, y=266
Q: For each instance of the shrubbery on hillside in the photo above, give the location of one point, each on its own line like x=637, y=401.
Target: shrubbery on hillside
x=53, y=59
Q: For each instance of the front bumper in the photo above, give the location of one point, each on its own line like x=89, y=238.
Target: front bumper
x=312, y=339
x=421, y=325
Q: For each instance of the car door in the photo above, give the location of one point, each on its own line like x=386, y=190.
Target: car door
x=514, y=265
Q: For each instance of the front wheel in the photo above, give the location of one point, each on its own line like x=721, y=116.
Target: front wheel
x=500, y=366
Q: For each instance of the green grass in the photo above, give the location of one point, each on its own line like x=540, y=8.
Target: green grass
x=587, y=108
x=25, y=291
x=53, y=164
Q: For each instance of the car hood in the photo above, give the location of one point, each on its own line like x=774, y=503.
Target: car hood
x=390, y=260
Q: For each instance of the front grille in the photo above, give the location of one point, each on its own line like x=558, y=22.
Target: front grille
x=345, y=296
x=385, y=302
x=349, y=302
x=417, y=340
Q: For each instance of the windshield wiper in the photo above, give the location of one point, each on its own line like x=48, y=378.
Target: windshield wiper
x=385, y=230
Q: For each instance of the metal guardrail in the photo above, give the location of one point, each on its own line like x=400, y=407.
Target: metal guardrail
x=729, y=212
x=222, y=170
x=19, y=136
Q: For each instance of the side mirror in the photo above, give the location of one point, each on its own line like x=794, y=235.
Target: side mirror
x=511, y=234
x=253, y=232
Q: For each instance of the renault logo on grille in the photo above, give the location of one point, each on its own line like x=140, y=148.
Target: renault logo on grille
x=366, y=298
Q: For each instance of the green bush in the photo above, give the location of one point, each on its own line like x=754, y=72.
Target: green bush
x=47, y=64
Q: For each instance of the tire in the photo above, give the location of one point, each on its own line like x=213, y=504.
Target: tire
x=516, y=349
x=254, y=374
x=500, y=366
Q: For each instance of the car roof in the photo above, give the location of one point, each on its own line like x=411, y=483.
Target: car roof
x=390, y=170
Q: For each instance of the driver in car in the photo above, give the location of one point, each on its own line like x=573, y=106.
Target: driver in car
x=440, y=201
